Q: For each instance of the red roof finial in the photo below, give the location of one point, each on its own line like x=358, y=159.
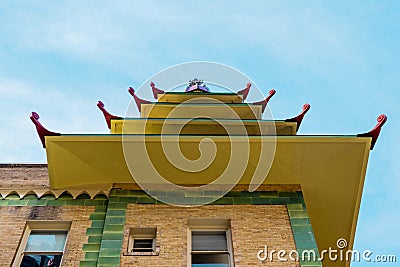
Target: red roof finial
x=299, y=118
x=42, y=132
x=107, y=115
x=138, y=100
x=245, y=91
x=155, y=90
x=374, y=133
x=266, y=100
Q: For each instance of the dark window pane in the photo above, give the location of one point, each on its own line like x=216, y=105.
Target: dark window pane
x=142, y=245
x=209, y=241
x=203, y=260
x=210, y=265
x=36, y=260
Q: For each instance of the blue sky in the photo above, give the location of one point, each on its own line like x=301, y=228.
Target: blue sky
x=58, y=58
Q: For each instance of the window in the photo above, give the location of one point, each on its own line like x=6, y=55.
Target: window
x=142, y=241
x=42, y=244
x=209, y=243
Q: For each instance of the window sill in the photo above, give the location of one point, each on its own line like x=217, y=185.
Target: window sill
x=150, y=253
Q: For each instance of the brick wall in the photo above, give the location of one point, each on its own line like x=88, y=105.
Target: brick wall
x=13, y=220
x=24, y=175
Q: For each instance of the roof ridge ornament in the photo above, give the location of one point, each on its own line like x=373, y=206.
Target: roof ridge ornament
x=374, y=133
x=299, y=118
x=138, y=100
x=107, y=115
x=245, y=91
x=197, y=86
x=155, y=90
x=41, y=130
x=266, y=100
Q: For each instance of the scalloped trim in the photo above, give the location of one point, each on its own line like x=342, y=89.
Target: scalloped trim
x=39, y=192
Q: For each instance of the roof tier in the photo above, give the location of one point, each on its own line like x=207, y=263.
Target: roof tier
x=329, y=169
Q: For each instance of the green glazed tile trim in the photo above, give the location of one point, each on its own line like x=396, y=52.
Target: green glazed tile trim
x=269, y=194
x=12, y=196
x=18, y=202
x=88, y=263
x=37, y=202
x=120, y=197
x=255, y=194
x=49, y=200
x=94, y=233
x=111, y=252
x=114, y=220
x=146, y=200
x=94, y=239
x=114, y=228
x=98, y=216
x=302, y=231
x=158, y=193
x=176, y=193
x=242, y=200
x=188, y=194
x=109, y=260
x=287, y=194
x=261, y=201
x=91, y=256
x=30, y=197
x=91, y=247
x=234, y=194
x=47, y=196
x=127, y=199
x=296, y=206
x=113, y=244
x=114, y=225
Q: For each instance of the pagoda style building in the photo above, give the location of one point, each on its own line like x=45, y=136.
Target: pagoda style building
x=200, y=179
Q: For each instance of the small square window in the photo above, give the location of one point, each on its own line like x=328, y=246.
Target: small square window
x=142, y=241
x=142, y=245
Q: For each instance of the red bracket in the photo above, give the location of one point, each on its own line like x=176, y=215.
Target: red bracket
x=42, y=132
x=265, y=101
x=107, y=115
x=299, y=118
x=374, y=133
x=138, y=100
x=245, y=91
x=155, y=90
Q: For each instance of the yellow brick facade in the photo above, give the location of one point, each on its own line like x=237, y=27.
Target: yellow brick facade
x=252, y=227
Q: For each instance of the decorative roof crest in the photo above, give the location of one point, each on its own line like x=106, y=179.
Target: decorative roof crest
x=197, y=85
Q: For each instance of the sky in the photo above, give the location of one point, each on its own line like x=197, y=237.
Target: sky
x=59, y=58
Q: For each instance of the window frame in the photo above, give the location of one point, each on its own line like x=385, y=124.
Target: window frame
x=209, y=225
x=142, y=233
x=41, y=226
